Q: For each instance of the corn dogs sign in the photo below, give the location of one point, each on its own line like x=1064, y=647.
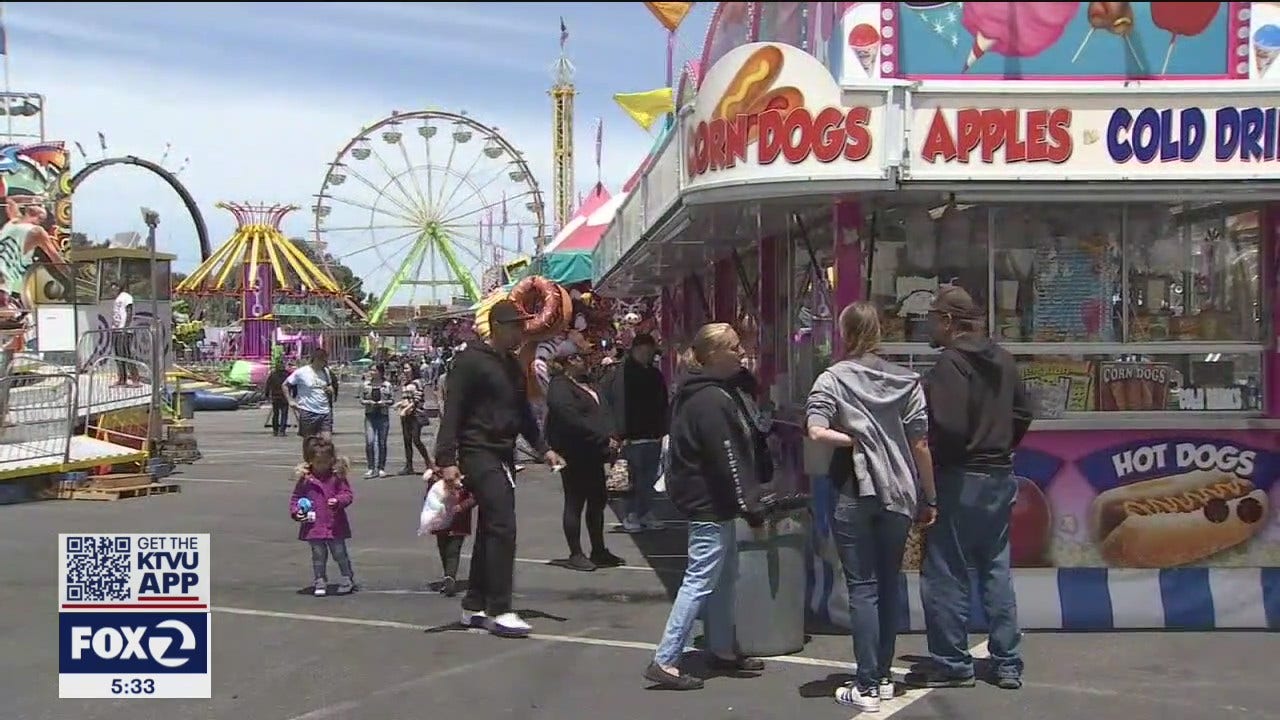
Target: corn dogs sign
x=773, y=113
x=1092, y=137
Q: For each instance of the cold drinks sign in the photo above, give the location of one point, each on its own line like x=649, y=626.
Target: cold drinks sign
x=772, y=113
x=1093, y=138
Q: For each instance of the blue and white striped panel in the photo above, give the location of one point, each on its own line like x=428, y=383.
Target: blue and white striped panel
x=1074, y=598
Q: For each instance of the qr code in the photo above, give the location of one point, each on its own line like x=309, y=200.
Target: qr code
x=98, y=568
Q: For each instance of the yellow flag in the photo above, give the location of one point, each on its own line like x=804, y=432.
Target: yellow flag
x=647, y=107
x=670, y=14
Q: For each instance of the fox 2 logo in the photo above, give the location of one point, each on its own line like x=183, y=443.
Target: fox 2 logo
x=142, y=643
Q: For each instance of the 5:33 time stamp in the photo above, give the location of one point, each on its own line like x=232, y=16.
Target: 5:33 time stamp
x=133, y=686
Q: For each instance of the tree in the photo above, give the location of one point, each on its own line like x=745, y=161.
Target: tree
x=81, y=241
x=346, y=278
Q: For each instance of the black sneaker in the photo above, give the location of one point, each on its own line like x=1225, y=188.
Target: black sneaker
x=663, y=679
x=606, y=559
x=407, y=470
x=737, y=664
x=579, y=562
x=448, y=586
x=935, y=679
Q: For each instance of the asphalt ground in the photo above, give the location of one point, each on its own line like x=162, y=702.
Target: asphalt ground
x=394, y=651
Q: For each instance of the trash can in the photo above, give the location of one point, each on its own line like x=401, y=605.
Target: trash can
x=186, y=404
x=770, y=603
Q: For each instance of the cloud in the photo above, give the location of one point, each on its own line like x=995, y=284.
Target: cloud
x=260, y=136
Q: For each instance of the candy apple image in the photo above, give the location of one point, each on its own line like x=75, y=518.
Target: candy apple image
x=1030, y=526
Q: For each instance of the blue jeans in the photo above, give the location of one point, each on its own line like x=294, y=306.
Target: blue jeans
x=708, y=578
x=375, y=441
x=871, y=542
x=643, y=463
x=971, y=536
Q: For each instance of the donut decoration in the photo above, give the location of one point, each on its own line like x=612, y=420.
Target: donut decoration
x=548, y=304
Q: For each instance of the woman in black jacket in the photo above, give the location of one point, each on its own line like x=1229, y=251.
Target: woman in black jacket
x=712, y=479
x=579, y=428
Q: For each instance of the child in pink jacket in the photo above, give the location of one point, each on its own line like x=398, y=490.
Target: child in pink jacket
x=322, y=482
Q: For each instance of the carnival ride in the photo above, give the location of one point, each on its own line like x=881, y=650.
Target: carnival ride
x=429, y=199
x=264, y=271
x=63, y=404
x=157, y=169
x=562, y=92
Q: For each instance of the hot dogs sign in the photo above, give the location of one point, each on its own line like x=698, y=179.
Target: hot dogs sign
x=772, y=113
x=1092, y=137
x=1154, y=502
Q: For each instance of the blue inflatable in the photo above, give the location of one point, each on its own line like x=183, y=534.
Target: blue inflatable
x=205, y=400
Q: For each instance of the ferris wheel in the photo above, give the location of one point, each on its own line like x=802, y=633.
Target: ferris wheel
x=425, y=207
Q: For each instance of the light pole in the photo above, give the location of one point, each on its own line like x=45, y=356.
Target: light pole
x=152, y=219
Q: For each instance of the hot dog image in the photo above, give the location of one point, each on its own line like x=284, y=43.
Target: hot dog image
x=751, y=91
x=1173, y=521
x=752, y=81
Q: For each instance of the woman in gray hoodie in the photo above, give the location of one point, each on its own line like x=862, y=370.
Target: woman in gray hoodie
x=872, y=414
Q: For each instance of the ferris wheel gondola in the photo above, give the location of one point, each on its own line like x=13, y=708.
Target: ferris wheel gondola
x=427, y=199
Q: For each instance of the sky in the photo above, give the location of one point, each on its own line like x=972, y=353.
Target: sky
x=258, y=98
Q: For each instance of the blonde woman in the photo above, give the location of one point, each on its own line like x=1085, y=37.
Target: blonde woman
x=711, y=479
x=872, y=414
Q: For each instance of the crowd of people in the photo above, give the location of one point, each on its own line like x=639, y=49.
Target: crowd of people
x=931, y=451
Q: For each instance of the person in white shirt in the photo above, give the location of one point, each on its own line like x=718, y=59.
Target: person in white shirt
x=315, y=392
x=122, y=334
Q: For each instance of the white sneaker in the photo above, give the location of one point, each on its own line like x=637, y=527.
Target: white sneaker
x=476, y=619
x=886, y=688
x=865, y=700
x=382, y=473
x=371, y=474
x=631, y=524
x=509, y=625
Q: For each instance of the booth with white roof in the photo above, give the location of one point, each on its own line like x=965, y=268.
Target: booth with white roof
x=1119, y=226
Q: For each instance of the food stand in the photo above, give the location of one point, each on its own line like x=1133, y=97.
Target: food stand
x=1119, y=226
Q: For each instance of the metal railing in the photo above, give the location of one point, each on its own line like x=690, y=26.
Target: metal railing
x=40, y=416
x=131, y=343
x=344, y=344
x=103, y=386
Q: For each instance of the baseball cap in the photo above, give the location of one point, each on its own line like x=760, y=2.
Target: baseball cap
x=953, y=300
x=505, y=311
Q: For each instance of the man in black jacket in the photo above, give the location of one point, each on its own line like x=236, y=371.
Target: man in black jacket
x=978, y=414
x=636, y=394
x=485, y=409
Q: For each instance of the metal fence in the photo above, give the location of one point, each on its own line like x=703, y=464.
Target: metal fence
x=131, y=343
x=344, y=345
x=39, y=415
x=111, y=383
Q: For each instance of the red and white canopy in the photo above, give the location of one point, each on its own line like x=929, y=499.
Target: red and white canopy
x=587, y=226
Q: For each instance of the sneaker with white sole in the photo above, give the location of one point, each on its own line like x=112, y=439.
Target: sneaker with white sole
x=474, y=618
x=509, y=625
x=631, y=524
x=865, y=699
x=382, y=473
x=370, y=474
x=321, y=587
x=886, y=688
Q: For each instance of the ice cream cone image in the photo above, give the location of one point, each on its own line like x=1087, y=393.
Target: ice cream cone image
x=864, y=40
x=981, y=44
x=1263, y=57
x=1266, y=47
